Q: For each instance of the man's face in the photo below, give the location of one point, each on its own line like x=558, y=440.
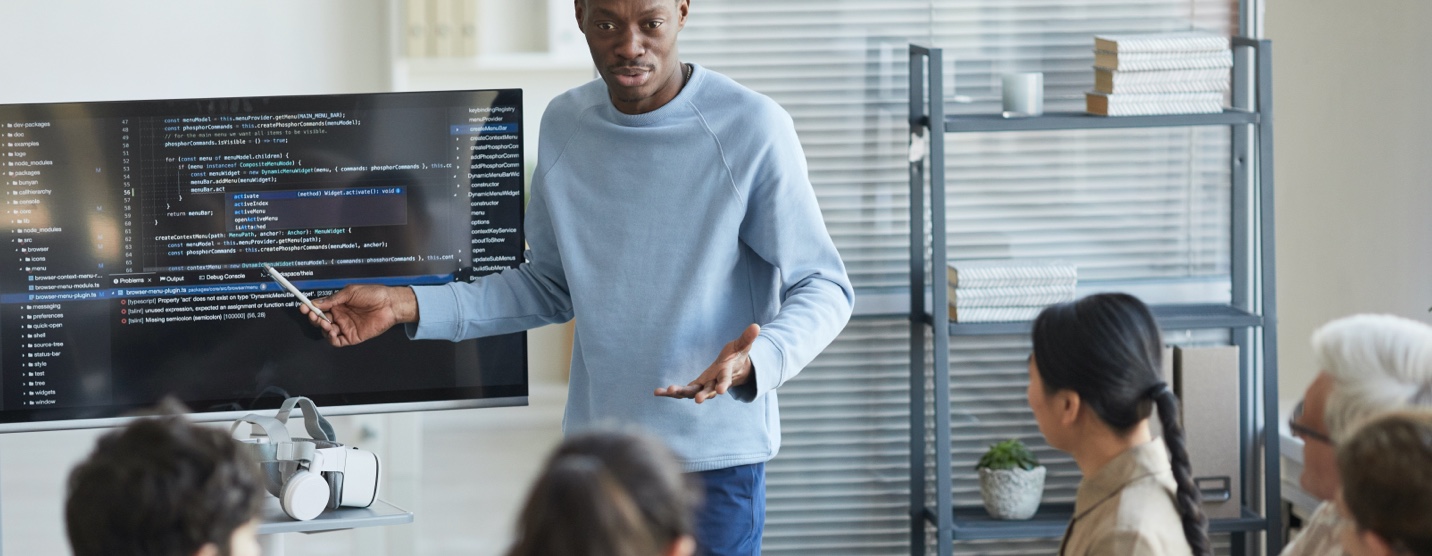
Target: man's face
x=1320, y=463
x=633, y=44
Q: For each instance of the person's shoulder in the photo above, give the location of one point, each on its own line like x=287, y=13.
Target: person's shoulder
x=1319, y=534
x=562, y=120
x=570, y=105
x=725, y=96
x=1142, y=541
x=744, y=121
x=1147, y=516
x=1148, y=498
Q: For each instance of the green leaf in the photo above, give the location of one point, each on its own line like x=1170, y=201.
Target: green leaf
x=1008, y=455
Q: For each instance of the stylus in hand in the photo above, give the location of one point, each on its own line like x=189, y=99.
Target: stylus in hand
x=302, y=298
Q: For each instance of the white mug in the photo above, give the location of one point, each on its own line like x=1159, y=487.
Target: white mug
x=1023, y=94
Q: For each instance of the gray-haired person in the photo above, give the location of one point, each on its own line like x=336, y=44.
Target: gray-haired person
x=1370, y=365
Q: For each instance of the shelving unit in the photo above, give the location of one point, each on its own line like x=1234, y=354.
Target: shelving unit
x=1250, y=316
x=534, y=45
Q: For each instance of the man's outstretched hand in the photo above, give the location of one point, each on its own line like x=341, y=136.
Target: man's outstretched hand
x=362, y=311
x=732, y=368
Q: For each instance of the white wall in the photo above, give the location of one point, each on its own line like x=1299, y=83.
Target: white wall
x=1353, y=163
x=93, y=50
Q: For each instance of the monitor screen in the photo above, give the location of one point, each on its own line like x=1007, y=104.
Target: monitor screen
x=135, y=235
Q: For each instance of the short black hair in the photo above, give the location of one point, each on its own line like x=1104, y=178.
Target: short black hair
x=161, y=486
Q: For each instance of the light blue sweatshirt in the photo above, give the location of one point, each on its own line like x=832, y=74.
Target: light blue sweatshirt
x=666, y=234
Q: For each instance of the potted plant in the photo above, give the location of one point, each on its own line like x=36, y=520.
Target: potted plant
x=1011, y=480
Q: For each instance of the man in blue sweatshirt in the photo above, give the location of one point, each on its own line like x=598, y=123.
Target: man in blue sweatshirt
x=672, y=215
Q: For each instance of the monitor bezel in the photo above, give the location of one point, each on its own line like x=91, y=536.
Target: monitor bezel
x=223, y=416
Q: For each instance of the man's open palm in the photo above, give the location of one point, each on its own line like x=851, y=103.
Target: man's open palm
x=731, y=368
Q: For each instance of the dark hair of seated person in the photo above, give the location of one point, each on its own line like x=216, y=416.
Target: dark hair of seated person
x=608, y=494
x=1107, y=348
x=1386, y=469
x=161, y=486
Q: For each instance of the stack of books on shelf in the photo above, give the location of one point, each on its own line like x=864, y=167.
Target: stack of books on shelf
x=1185, y=72
x=441, y=28
x=1003, y=290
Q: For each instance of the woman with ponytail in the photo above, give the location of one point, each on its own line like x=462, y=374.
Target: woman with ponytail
x=609, y=494
x=1093, y=383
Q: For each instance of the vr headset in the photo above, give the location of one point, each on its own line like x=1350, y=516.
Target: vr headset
x=309, y=475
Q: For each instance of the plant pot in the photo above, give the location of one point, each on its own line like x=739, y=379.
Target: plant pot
x=1012, y=493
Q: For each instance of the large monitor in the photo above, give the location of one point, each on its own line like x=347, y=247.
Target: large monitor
x=135, y=234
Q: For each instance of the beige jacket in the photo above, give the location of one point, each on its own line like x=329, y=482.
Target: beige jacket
x=1128, y=508
x=1320, y=534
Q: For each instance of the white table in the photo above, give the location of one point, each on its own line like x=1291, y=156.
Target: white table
x=273, y=523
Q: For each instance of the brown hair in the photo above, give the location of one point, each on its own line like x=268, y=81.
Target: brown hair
x=607, y=494
x=161, y=486
x=1386, y=469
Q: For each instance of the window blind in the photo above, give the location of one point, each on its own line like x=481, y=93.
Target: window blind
x=1128, y=206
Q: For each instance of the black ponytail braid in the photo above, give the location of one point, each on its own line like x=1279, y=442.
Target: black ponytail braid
x=1188, y=498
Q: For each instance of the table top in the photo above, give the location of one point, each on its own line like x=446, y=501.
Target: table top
x=272, y=519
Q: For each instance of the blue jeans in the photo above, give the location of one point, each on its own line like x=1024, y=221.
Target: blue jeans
x=733, y=512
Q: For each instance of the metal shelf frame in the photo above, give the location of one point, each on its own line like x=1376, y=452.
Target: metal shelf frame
x=972, y=523
x=1170, y=317
x=1250, y=316
x=1081, y=120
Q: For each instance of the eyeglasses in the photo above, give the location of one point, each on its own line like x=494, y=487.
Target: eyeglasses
x=1303, y=431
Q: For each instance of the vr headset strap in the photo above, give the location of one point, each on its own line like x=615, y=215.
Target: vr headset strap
x=317, y=426
x=280, y=445
x=263, y=426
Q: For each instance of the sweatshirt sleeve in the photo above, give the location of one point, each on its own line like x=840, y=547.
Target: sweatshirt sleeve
x=783, y=226
x=531, y=295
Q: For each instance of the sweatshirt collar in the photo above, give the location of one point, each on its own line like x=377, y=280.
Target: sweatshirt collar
x=668, y=110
